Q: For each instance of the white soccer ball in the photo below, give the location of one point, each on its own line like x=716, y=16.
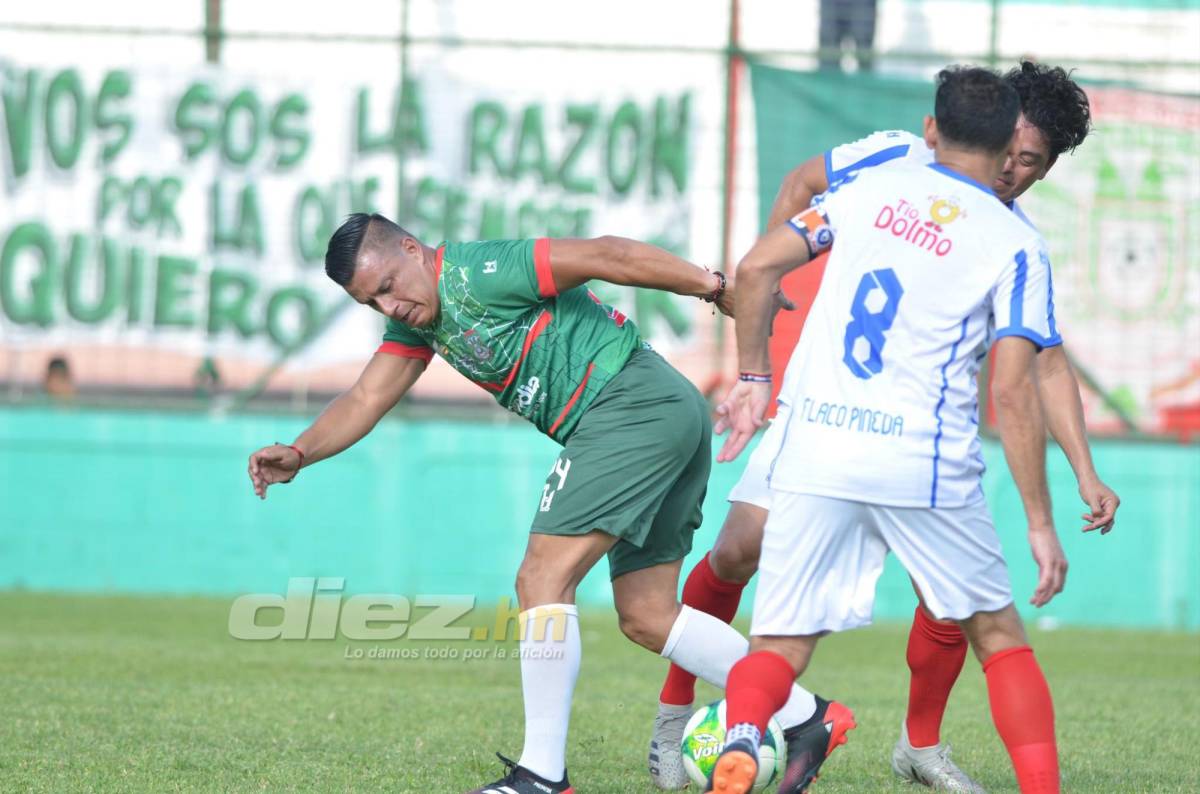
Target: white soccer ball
x=704, y=738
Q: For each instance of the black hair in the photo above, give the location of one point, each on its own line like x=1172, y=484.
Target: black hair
x=1054, y=103
x=58, y=364
x=975, y=108
x=341, y=257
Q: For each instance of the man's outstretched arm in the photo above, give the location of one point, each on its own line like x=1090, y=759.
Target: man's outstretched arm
x=619, y=260
x=1059, y=390
x=352, y=415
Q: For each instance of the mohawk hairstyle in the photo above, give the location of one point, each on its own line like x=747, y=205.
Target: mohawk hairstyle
x=341, y=257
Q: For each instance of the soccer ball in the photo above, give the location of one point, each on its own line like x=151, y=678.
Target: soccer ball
x=704, y=738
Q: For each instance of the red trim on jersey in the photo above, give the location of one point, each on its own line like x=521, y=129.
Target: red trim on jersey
x=571, y=402
x=437, y=264
x=540, y=325
x=613, y=314
x=406, y=351
x=541, y=266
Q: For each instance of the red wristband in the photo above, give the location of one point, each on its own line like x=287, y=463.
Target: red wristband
x=298, y=451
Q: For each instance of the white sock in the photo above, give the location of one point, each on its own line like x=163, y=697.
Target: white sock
x=550, y=654
x=800, y=706
x=708, y=648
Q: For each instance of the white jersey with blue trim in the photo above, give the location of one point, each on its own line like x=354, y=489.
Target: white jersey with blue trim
x=879, y=401
x=885, y=146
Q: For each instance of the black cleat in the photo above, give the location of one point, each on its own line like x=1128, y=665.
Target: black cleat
x=519, y=780
x=811, y=742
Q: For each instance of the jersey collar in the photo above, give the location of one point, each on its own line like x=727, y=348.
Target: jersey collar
x=437, y=263
x=961, y=178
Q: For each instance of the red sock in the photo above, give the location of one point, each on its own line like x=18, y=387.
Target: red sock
x=758, y=687
x=707, y=593
x=935, y=656
x=1024, y=717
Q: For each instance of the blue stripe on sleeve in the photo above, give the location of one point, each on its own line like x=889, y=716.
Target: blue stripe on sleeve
x=1042, y=342
x=1016, y=307
x=937, y=413
x=1052, y=326
x=882, y=156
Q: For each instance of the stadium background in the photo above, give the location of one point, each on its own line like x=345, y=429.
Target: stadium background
x=172, y=172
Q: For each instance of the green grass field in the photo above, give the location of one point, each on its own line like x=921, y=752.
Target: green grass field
x=151, y=694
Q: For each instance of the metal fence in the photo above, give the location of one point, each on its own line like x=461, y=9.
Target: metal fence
x=460, y=118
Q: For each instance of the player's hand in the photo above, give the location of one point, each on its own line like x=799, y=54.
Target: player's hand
x=274, y=464
x=743, y=412
x=1051, y=563
x=1103, y=503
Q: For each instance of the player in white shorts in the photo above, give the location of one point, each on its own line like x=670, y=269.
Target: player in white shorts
x=876, y=447
x=1055, y=118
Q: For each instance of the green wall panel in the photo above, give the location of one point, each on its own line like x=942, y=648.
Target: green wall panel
x=98, y=501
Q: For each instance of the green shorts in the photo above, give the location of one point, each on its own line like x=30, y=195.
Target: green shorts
x=636, y=467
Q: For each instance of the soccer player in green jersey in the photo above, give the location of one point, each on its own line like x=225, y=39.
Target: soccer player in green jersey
x=516, y=318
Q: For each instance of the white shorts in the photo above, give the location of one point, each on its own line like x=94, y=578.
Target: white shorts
x=821, y=558
x=753, y=486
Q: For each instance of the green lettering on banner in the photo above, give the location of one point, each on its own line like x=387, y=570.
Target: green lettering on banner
x=454, y=213
x=172, y=288
x=147, y=201
x=303, y=301
x=38, y=307
x=488, y=122
x=366, y=142
x=19, y=110
x=425, y=209
x=195, y=119
x=135, y=284
x=245, y=233
x=229, y=296
x=410, y=118
x=669, y=152
x=530, y=150
x=244, y=114
x=64, y=136
x=108, y=294
x=312, y=223
x=583, y=118
x=289, y=130
x=407, y=130
x=169, y=189
x=624, y=143
x=317, y=210
x=109, y=114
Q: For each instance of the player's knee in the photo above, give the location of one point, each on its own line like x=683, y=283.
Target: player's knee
x=992, y=632
x=537, y=585
x=732, y=561
x=643, y=628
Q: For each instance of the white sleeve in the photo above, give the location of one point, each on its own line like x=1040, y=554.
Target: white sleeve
x=819, y=223
x=876, y=148
x=1023, y=298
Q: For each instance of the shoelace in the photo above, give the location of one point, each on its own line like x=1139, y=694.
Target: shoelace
x=510, y=769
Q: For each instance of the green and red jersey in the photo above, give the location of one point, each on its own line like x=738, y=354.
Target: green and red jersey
x=502, y=323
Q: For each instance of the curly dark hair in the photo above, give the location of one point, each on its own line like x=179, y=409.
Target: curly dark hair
x=1054, y=103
